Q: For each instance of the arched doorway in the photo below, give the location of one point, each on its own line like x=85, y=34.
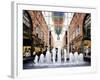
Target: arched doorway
x=87, y=36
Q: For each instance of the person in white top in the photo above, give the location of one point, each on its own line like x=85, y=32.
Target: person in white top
x=71, y=57
x=53, y=54
x=41, y=60
x=48, y=56
x=59, y=55
x=65, y=55
x=36, y=59
x=34, y=53
x=76, y=56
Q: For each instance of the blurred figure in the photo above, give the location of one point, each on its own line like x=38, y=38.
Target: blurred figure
x=71, y=57
x=48, y=57
x=81, y=58
x=41, y=60
x=53, y=55
x=36, y=59
x=34, y=54
x=65, y=55
x=76, y=56
x=59, y=55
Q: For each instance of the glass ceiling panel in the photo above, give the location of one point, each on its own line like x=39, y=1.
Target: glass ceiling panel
x=48, y=18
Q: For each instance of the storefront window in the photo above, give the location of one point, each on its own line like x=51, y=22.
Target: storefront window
x=87, y=26
x=27, y=31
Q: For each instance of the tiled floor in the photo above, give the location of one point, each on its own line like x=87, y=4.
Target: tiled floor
x=31, y=65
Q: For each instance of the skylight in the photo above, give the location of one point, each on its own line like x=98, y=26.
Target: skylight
x=48, y=18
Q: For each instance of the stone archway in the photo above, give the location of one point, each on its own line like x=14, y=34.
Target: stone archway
x=87, y=32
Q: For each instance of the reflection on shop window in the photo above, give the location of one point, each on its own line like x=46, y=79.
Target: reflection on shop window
x=26, y=20
x=27, y=24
